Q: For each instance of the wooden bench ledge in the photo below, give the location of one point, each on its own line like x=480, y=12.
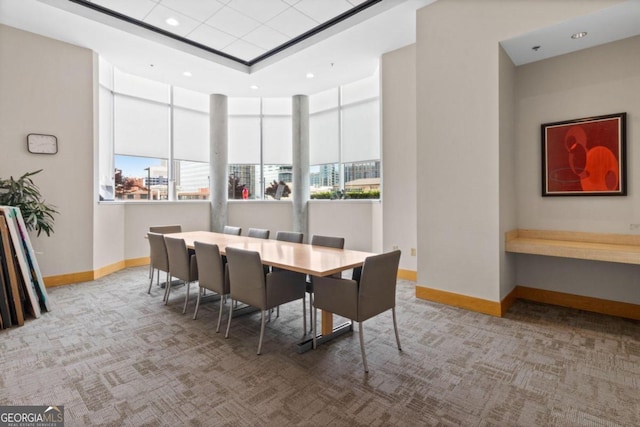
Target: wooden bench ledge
x=621, y=248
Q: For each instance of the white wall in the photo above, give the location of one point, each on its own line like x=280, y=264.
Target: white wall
x=591, y=82
x=271, y=215
x=458, y=135
x=399, y=183
x=140, y=216
x=109, y=236
x=46, y=86
x=355, y=220
x=507, y=149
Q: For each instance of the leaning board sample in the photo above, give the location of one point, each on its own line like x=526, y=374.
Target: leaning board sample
x=31, y=258
x=12, y=282
x=25, y=272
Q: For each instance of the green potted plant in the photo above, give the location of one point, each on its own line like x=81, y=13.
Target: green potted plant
x=23, y=193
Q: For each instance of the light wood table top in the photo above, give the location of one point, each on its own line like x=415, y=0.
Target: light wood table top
x=303, y=258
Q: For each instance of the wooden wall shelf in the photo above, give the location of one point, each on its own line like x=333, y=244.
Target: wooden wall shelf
x=621, y=248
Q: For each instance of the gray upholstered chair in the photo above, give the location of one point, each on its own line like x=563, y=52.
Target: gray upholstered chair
x=162, y=229
x=375, y=294
x=250, y=286
x=211, y=275
x=293, y=237
x=330, y=242
x=182, y=265
x=260, y=233
x=228, y=229
x=166, y=229
x=290, y=236
x=158, y=259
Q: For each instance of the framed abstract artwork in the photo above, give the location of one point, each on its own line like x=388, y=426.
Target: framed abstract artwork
x=585, y=157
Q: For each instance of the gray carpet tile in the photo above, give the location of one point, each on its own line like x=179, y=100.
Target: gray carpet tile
x=115, y=356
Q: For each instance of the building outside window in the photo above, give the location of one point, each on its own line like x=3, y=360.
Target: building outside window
x=154, y=142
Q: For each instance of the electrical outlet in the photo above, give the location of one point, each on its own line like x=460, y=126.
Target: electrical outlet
x=394, y=247
x=634, y=226
x=413, y=251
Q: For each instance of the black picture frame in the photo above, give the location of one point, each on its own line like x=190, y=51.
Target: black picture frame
x=585, y=157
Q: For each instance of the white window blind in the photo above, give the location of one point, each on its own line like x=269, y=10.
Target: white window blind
x=360, y=90
x=243, y=106
x=141, y=128
x=190, y=99
x=277, y=140
x=323, y=100
x=361, y=131
x=105, y=137
x=244, y=140
x=140, y=87
x=190, y=135
x=324, y=137
x=276, y=106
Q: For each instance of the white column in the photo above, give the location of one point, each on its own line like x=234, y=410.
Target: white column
x=218, y=168
x=300, y=135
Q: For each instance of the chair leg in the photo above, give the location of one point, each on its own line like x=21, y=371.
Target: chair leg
x=195, y=313
x=364, y=356
x=167, y=290
x=226, y=335
x=261, y=332
x=220, y=314
x=150, y=282
x=395, y=328
x=314, y=321
x=186, y=299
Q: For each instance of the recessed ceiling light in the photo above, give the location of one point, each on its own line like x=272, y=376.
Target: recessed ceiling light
x=579, y=35
x=310, y=75
x=187, y=73
x=254, y=87
x=172, y=21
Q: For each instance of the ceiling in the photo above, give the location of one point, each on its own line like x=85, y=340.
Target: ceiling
x=344, y=52
x=247, y=31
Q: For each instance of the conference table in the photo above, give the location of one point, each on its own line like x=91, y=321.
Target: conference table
x=303, y=258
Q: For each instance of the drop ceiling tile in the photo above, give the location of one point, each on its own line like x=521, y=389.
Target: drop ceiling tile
x=291, y=2
x=323, y=10
x=196, y=9
x=261, y=11
x=232, y=22
x=135, y=9
x=292, y=23
x=158, y=16
x=243, y=50
x=211, y=37
x=266, y=38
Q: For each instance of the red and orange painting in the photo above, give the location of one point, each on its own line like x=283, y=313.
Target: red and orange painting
x=584, y=157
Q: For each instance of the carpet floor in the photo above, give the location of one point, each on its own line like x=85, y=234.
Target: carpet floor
x=115, y=356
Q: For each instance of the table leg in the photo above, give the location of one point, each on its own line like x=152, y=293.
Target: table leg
x=328, y=332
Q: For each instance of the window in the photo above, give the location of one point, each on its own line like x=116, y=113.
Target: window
x=344, y=133
x=154, y=139
x=260, y=148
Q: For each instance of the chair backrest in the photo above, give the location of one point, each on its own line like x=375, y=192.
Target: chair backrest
x=164, y=229
x=246, y=277
x=328, y=241
x=158, y=251
x=228, y=229
x=260, y=233
x=290, y=236
x=377, y=290
x=180, y=265
x=210, y=269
